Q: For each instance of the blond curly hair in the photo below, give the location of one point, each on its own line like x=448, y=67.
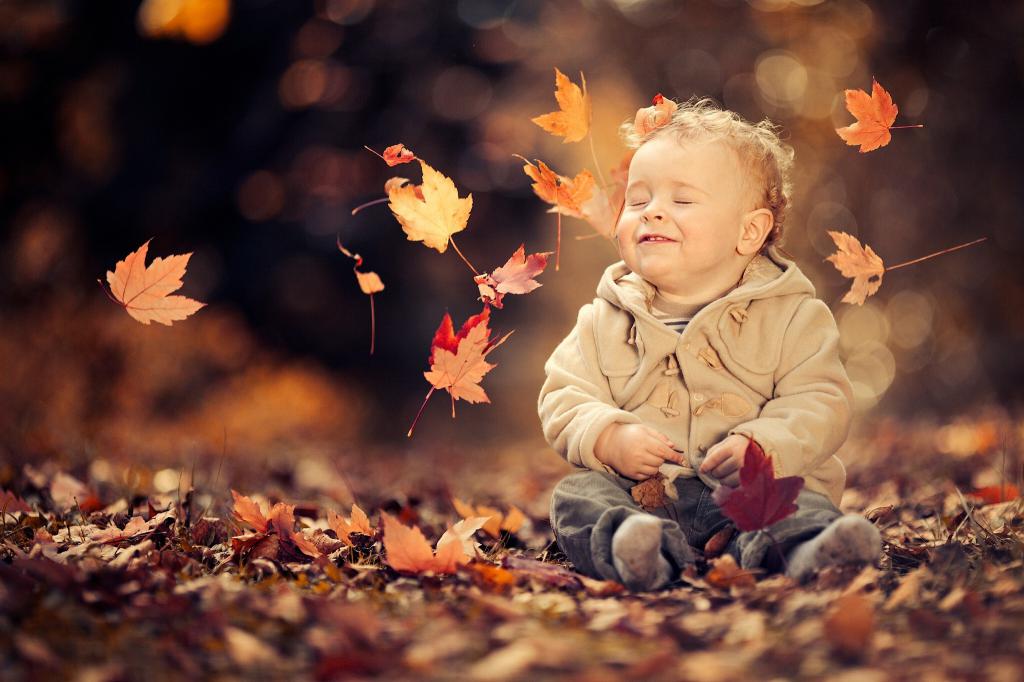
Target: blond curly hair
x=757, y=145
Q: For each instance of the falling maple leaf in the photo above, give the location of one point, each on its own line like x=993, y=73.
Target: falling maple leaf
x=497, y=521
x=433, y=213
x=457, y=360
x=572, y=120
x=603, y=209
x=369, y=283
x=358, y=522
x=407, y=550
x=875, y=116
x=143, y=290
x=655, y=116
x=396, y=154
x=761, y=499
x=858, y=262
x=567, y=195
x=514, y=277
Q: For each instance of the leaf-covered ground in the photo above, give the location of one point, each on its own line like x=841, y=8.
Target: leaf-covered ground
x=106, y=578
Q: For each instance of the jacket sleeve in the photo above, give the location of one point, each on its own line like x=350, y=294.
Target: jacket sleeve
x=809, y=415
x=575, y=403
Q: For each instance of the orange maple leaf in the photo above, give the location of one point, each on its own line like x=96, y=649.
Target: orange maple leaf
x=572, y=120
x=143, y=290
x=281, y=518
x=653, y=117
x=398, y=153
x=567, y=195
x=407, y=550
x=457, y=360
x=875, y=116
x=496, y=520
x=358, y=522
x=432, y=212
x=247, y=510
x=514, y=277
x=858, y=262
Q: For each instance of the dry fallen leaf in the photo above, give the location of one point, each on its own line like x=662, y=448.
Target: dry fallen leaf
x=432, y=212
x=407, y=550
x=358, y=522
x=572, y=120
x=650, y=493
x=875, y=116
x=144, y=290
x=849, y=624
x=725, y=573
x=858, y=262
x=496, y=520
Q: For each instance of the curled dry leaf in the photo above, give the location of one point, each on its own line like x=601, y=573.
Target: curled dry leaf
x=650, y=493
x=358, y=522
x=514, y=277
x=398, y=153
x=725, y=573
x=875, y=114
x=496, y=522
x=655, y=116
x=431, y=213
x=144, y=290
x=572, y=120
x=407, y=550
x=858, y=262
x=761, y=500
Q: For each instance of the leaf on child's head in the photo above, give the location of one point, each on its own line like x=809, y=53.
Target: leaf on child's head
x=144, y=291
x=761, y=499
x=655, y=116
x=858, y=262
x=875, y=114
x=572, y=120
x=432, y=212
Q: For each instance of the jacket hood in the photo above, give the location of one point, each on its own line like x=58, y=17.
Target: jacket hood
x=767, y=275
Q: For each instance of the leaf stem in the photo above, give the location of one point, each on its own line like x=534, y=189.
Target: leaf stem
x=593, y=154
x=360, y=207
x=373, y=325
x=108, y=294
x=429, y=393
x=558, y=242
x=937, y=253
x=456, y=247
x=919, y=125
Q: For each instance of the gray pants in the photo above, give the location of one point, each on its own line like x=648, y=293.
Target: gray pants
x=587, y=507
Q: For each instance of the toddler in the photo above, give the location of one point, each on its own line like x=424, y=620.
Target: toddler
x=701, y=337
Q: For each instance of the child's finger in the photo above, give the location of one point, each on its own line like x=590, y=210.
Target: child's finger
x=661, y=436
x=725, y=468
x=713, y=459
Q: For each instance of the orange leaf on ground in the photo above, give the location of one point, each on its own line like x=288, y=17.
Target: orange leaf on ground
x=858, y=262
x=432, y=212
x=994, y=494
x=496, y=521
x=572, y=120
x=144, y=290
x=247, y=510
x=850, y=624
x=875, y=115
x=9, y=502
x=655, y=116
x=514, y=277
x=358, y=522
x=407, y=550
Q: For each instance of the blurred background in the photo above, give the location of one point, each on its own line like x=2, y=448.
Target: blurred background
x=234, y=129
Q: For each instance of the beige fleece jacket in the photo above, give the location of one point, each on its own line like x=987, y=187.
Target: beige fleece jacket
x=761, y=361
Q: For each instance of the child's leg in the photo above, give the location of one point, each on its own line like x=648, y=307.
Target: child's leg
x=588, y=507
x=797, y=539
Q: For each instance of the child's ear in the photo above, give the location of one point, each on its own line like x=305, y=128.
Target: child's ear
x=756, y=226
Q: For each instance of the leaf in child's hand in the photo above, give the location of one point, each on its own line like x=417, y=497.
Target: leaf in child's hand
x=572, y=121
x=457, y=360
x=407, y=550
x=858, y=262
x=144, y=290
x=650, y=493
x=566, y=195
x=653, y=117
x=433, y=213
x=514, y=277
x=875, y=115
x=761, y=499
x=398, y=153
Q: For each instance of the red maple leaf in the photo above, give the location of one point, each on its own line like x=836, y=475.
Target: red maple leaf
x=761, y=499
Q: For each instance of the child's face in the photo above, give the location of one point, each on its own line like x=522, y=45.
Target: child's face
x=683, y=214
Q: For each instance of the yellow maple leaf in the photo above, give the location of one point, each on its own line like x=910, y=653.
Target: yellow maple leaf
x=143, y=291
x=572, y=121
x=858, y=262
x=432, y=212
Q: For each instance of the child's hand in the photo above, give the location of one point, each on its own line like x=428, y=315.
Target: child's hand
x=634, y=450
x=725, y=459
